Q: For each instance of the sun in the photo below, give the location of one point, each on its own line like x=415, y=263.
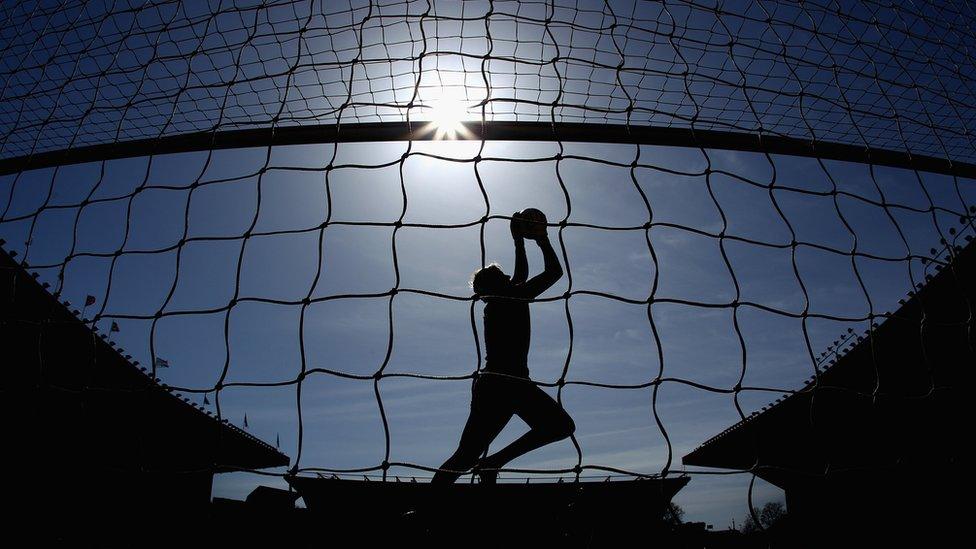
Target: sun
x=447, y=117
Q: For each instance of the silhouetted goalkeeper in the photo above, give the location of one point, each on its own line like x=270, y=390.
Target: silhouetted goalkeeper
x=495, y=398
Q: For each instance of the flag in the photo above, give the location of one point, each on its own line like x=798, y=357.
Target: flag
x=160, y=363
x=245, y=420
x=89, y=300
x=115, y=326
x=277, y=441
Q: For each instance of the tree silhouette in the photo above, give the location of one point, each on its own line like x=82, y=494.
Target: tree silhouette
x=771, y=513
x=673, y=514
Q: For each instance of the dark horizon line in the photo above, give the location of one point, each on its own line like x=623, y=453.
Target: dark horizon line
x=488, y=131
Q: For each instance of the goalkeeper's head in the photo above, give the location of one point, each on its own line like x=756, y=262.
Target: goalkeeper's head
x=489, y=280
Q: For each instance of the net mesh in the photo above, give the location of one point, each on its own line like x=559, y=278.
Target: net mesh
x=874, y=75
x=877, y=74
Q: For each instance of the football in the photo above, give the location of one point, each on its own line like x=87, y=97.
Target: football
x=532, y=223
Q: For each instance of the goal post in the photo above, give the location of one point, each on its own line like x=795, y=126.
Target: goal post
x=490, y=131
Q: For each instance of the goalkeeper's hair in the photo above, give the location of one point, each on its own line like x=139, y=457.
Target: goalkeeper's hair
x=487, y=279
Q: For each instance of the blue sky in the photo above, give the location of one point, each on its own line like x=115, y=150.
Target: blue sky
x=892, y=76
x=612, y=341
x=99, y=72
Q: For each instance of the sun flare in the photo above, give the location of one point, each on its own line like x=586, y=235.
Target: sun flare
x=447, y=116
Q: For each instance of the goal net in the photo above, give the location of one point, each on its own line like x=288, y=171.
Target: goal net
x=275, y=206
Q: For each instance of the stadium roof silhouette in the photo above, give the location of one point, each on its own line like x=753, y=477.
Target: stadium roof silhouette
x=885, y=398
x=74, y=385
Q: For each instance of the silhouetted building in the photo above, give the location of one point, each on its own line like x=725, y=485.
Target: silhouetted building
x=96, y=449
x=268, y=517
x=266, y=497
x=507, y=514
x=875, y=446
